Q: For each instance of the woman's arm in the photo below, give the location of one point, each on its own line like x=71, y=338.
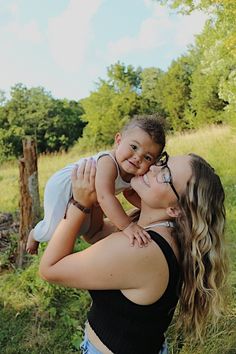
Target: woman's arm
x=63, y=240
x=109, y=263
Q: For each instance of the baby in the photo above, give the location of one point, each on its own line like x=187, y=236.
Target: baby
x=136, y=148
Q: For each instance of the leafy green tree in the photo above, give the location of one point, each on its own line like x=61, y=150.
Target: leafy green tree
x=63, y=126
x=121, y=77
x=226, y=55
x=174, y=93
x=150, y=95
x=10, y=142
x=27, y=108
x=2, y=98
x=213, y=80
x=108, y=108
x=187, y=6
x=206, y=78
x=55, y=124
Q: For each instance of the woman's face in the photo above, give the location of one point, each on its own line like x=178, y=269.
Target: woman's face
x=154, y=188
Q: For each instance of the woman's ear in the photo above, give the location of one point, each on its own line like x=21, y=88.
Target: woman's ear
x=173, y=211
x=118, y=138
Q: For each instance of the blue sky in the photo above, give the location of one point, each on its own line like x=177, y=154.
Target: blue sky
x=66, y=45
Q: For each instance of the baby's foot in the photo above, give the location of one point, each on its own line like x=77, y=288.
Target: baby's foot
x=32, y=245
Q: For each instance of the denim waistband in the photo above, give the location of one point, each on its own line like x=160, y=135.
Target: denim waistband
x=88, y=348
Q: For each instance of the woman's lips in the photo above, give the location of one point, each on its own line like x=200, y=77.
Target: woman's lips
x=145, y=180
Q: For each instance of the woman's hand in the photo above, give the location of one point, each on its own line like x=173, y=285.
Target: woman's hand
x=83, y=183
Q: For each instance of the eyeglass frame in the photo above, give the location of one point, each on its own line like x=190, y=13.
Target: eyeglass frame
x=162, y=162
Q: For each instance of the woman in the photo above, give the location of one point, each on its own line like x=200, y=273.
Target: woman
x=135, y=290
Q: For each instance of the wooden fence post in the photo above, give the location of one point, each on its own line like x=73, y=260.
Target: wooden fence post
x=29, y=195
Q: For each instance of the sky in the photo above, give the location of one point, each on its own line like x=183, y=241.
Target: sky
x=65, y=46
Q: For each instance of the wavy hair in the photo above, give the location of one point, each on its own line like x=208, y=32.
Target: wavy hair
x=200, y=235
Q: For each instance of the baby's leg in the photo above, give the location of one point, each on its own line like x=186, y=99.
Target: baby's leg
x=56, y=195
x=32, y=245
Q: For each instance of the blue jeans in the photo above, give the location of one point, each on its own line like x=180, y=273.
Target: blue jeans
x=87, y=347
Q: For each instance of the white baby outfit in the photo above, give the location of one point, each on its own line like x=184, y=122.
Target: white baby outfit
x=57, y=193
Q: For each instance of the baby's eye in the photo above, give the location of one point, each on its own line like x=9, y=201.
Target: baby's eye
x=148, y=158
x=133, y=147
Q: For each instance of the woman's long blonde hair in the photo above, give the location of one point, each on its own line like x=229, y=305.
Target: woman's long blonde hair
x=200, y=234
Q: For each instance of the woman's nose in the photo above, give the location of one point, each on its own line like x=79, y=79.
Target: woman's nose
x=154, y=169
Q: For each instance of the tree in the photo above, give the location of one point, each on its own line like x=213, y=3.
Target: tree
x=108, y=108
x=121, y=77
x=174, y=93
x=206, y=78
x=2, y=98
x=213, y=81
x=63, y=126
x=55, y=124
x=150, y=96
x=187, y=6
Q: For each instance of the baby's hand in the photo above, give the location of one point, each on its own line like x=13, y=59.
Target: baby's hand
x=134, y=231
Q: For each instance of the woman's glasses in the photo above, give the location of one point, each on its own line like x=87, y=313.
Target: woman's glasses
x=164, y=176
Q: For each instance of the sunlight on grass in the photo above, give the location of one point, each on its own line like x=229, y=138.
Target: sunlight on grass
x=25, y=295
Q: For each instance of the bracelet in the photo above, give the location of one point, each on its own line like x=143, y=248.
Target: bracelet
x=77, y=205
x=80, y=206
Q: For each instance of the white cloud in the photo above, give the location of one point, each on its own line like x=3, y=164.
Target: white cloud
x=158, y=30
x=13, y=29
x=13, y=8
x=188, y=26
x=149, y=36
x=57, y=56
x=70, y=34
x=8, y=8
x=25, y=32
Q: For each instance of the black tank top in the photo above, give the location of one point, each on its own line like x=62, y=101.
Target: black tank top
x=128, y=328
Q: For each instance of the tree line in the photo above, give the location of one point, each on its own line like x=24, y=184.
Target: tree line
x=198, y=88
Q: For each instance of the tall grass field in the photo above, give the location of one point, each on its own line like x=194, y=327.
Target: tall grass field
x=39, y=318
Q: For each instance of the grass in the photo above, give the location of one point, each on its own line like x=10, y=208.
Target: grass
x=40, y=318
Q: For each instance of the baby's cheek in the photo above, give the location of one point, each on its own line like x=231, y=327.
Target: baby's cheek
x=146, y=166
x=142, y=171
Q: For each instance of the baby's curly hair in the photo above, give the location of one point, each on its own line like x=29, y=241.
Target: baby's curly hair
x=151, y=124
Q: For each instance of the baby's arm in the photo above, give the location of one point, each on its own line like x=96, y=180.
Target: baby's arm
x=105, y=188
x=132, y=197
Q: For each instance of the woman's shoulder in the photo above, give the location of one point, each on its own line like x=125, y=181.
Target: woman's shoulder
x=166, y=242
x=145, y=260
x=144, y=270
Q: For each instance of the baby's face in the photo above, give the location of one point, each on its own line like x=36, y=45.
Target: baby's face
x=136, y=151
